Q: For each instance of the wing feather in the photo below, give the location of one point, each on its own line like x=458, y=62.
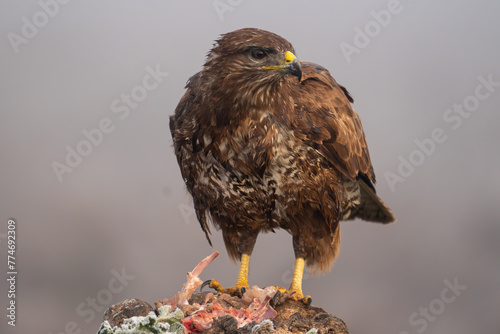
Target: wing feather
x=326, y=121
x=185, y=136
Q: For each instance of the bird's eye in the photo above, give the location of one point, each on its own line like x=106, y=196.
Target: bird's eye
x=258, y=54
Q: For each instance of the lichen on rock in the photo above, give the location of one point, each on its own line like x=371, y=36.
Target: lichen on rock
x=166, y=322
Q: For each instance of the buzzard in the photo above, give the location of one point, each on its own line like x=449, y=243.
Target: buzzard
x=265, y=141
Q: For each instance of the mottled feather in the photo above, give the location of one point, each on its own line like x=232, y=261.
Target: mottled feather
x=259, y=150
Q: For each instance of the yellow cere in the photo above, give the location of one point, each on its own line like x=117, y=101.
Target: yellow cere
x=289, y=57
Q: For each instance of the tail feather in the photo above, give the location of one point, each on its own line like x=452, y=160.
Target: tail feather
x=372, y=208
x=363, y=203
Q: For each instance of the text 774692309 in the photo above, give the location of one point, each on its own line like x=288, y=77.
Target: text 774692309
x=11, y=271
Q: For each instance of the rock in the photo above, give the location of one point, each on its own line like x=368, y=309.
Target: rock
x=258, y=311
x=165, y=321
x=295, y=317
x=223, y=324
x=126, y=309
x=292, y=317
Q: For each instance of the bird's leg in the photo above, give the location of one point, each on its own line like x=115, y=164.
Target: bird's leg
x=242, y=279
x=239, y=246
x=296, y=286
x=241, y=282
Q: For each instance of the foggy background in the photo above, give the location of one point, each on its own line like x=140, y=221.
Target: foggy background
x=124, y=209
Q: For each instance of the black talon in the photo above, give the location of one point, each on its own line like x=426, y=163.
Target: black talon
x=275, y=298
x=243, y=290
x=308, y=301
x=205, y=284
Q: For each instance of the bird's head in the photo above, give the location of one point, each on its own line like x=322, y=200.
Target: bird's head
x=252, y=63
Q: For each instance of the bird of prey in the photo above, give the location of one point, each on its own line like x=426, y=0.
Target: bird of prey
x=265, y=141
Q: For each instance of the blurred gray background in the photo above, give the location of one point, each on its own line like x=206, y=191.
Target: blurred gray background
x=67, y=69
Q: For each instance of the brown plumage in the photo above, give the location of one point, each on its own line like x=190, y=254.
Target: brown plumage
x=264, y=141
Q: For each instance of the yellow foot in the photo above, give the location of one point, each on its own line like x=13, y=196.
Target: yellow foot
x=237, y=290
x=241, y=282
x=283, y=294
